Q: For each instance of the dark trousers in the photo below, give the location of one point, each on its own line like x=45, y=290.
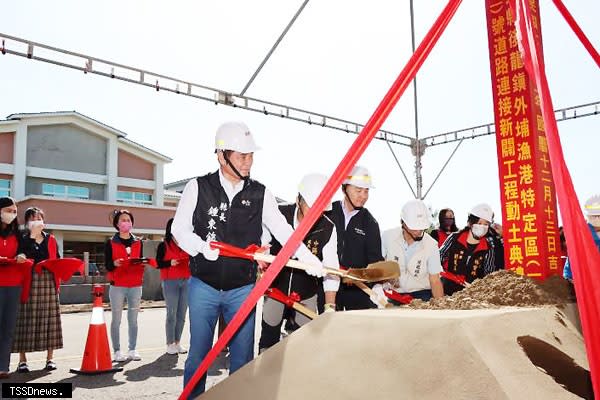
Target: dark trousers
x=350, y=297
x=9, y=307
x=320, y=297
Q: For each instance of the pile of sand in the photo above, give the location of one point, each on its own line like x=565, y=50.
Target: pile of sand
x=501, y=289
x=496, y=354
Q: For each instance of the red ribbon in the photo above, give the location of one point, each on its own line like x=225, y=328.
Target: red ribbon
x=400, y=298
x=583, y=254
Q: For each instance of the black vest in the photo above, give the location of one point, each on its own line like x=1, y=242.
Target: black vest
x=238, y=223
x=294, y=280
x=359, y=244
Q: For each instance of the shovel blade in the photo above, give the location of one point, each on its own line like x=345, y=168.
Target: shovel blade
x=376, y=272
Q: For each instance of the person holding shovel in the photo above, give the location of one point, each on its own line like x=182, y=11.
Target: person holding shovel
x=322, y=242
x=470, y=254
x=416, y=252
x=226, y=206
x=359, y=238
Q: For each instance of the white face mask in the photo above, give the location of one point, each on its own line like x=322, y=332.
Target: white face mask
x=33, y=224
x=8, y=217
x=479, y=230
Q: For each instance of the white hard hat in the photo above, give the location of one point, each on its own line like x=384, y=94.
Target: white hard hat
x=235, y=136
x=592, y=206
x=359, y=177
x=311, y=187
x=483, y=211
x=415, y=215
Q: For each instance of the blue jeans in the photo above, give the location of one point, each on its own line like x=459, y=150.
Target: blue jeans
x=117, y=296
x=206, y=303
x=175, y=292
x=9, y=307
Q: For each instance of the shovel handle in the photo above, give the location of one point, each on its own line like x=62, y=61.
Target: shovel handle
x=458, y=279
x=278, y=295
x=299, y=265
x=252, y=253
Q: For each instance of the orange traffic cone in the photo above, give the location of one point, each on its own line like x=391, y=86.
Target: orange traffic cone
x=96, y=357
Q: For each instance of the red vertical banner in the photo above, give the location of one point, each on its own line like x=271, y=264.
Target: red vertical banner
x=529, y=219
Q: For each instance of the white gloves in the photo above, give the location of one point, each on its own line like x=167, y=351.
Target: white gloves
x=314, y=267
x=329, y=308
x=210, y=254
x=378, y=297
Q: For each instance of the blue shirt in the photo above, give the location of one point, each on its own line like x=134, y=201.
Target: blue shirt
x=567, y=273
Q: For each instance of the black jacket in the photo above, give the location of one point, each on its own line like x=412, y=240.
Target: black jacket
x=294, y=280
x=360, y=244
x=239, y=224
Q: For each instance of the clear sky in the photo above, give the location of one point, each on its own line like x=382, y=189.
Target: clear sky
x=339, y=58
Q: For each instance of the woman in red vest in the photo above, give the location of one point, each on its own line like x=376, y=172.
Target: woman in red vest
x=39, y=326
x=125, y=280
x=174, y=265
x=446, y=228
x=11, y=278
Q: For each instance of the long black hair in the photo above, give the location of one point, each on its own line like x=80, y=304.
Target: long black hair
x=442, y=215
x=13, y=227
x=168, y=234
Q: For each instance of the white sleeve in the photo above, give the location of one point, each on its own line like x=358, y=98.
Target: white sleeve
x=274, y=220
x=331, y=283
x=434, y=265
x=183, y=228
x=265, y=237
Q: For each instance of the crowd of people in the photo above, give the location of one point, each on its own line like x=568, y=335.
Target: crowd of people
x=229, y=206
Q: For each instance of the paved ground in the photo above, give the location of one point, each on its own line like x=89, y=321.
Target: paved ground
x=157, y=376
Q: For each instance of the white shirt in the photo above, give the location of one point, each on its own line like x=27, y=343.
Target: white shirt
x=410, y=257
x=183, y=228
x=347, y=214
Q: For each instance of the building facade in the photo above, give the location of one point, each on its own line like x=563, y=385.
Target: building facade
x=79, y=170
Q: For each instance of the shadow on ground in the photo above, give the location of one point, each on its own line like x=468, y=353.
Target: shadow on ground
x=164, y=366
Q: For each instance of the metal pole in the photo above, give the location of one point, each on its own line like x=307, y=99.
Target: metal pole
x=262, y=64
x=443, y=167
x=418, y=152
x=401, y=170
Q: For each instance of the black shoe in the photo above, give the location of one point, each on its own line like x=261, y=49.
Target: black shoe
x=50, y=365
x=23, y=367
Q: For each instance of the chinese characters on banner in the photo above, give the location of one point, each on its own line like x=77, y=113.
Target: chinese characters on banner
x=530, y=227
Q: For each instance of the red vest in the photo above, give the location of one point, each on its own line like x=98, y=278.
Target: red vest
x=126, y=275
x=10, y=275
x=442, y=236
x=179, y=271
x=52, y=247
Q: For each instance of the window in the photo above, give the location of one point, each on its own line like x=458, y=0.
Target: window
x=69, y=192
x=134, y=197
x=4, y=188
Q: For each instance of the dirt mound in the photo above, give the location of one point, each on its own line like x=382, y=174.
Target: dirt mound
x=501, y=289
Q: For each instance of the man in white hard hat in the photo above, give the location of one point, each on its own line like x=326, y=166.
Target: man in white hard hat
x=359, y=238
x=226, y=206
x=321, y=240
x=416, y=252
x=592, y=213
x=470, y=253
